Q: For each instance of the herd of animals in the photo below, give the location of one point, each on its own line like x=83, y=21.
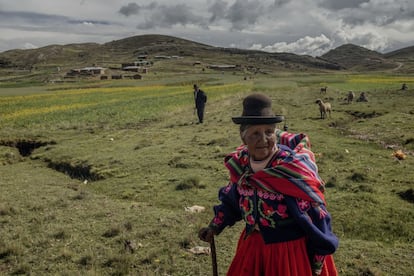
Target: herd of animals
x=325, y=108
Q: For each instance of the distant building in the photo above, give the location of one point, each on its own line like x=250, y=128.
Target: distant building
x=162, y=57
x=137, y=63
x=86, y=71
x=131, y=68
x=135, y=77
x=222, y=67
x=167, y=57
x=92, y=70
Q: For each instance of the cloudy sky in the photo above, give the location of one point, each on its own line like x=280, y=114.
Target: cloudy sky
x=310, y=27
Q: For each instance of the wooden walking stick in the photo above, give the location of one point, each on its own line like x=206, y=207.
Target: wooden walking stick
x=213, y=256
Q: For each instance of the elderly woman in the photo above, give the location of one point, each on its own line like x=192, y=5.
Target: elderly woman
x=275, y=188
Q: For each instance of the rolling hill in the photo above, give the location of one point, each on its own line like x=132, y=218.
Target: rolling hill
x=126, y=50
x=112, y=54
x=353, y=57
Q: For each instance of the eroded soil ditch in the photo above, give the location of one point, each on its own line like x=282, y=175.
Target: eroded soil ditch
x=25, y=147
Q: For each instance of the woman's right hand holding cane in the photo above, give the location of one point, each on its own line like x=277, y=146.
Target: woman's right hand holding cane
x=206, y=234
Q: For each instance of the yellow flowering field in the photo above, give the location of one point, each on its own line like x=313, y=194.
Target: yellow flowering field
x=380, y=79
x=111, y=104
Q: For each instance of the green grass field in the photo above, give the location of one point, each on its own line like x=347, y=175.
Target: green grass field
x=95, y=176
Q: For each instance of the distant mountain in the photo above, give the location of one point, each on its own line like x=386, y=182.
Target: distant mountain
x=112, y=54
x=353, y=57
x=52, y=55
x=154, y=43
x=404, y=53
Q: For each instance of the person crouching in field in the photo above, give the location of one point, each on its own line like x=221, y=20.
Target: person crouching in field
x=276, y=190
x=200, y=99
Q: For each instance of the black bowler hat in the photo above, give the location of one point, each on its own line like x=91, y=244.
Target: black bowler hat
x=257, y=110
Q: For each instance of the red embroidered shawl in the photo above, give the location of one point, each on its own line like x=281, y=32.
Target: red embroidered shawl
x=293, y=172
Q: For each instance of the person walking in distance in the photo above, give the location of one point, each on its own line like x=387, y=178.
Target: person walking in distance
x=200, y=99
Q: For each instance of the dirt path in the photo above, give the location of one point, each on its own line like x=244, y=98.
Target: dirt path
x=400, y=64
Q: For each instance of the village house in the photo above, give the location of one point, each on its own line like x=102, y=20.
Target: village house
x=86, y=71
x=131, y=68
x=137, y=63
x=222, y=67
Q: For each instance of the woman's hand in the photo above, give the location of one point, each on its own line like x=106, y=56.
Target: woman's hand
x=206, y=234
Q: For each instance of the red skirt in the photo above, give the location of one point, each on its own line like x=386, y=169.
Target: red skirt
x=255, y=258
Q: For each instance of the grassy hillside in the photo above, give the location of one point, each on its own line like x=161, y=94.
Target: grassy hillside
x=357, y=58
x=128, y=49
x=405, y=58
x=53, y=62
x=96, y=175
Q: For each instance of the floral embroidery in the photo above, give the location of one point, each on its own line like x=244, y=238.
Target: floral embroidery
x=319, y=258
x=250, y=219
x=228, y=188
x=303, y=204
x=266, y=213
x=281, y=211
x=263, y=194
x=245, y=192
x=267, y=210
x=264, y=222
x=245, y=205
x=219, y=218
x=271, y=196
x=317, y=263
x=279, y=197
x=322, y=213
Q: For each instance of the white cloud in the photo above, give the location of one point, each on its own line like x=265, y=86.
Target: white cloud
x=367, y=35
x=29, y=45
x=307, y=45
x=300, y=26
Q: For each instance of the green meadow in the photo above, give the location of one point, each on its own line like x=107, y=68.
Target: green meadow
x=96, y=175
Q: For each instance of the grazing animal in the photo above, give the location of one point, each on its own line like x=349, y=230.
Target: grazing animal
x=130, y=246
x=323, y=90
x=324, y=108
x=350, y=97
x=362, y=97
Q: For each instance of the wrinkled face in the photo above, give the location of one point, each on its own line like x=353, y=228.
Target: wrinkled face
x=260, y=140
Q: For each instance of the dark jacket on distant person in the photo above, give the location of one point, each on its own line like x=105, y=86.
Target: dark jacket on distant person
x=200, y=99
